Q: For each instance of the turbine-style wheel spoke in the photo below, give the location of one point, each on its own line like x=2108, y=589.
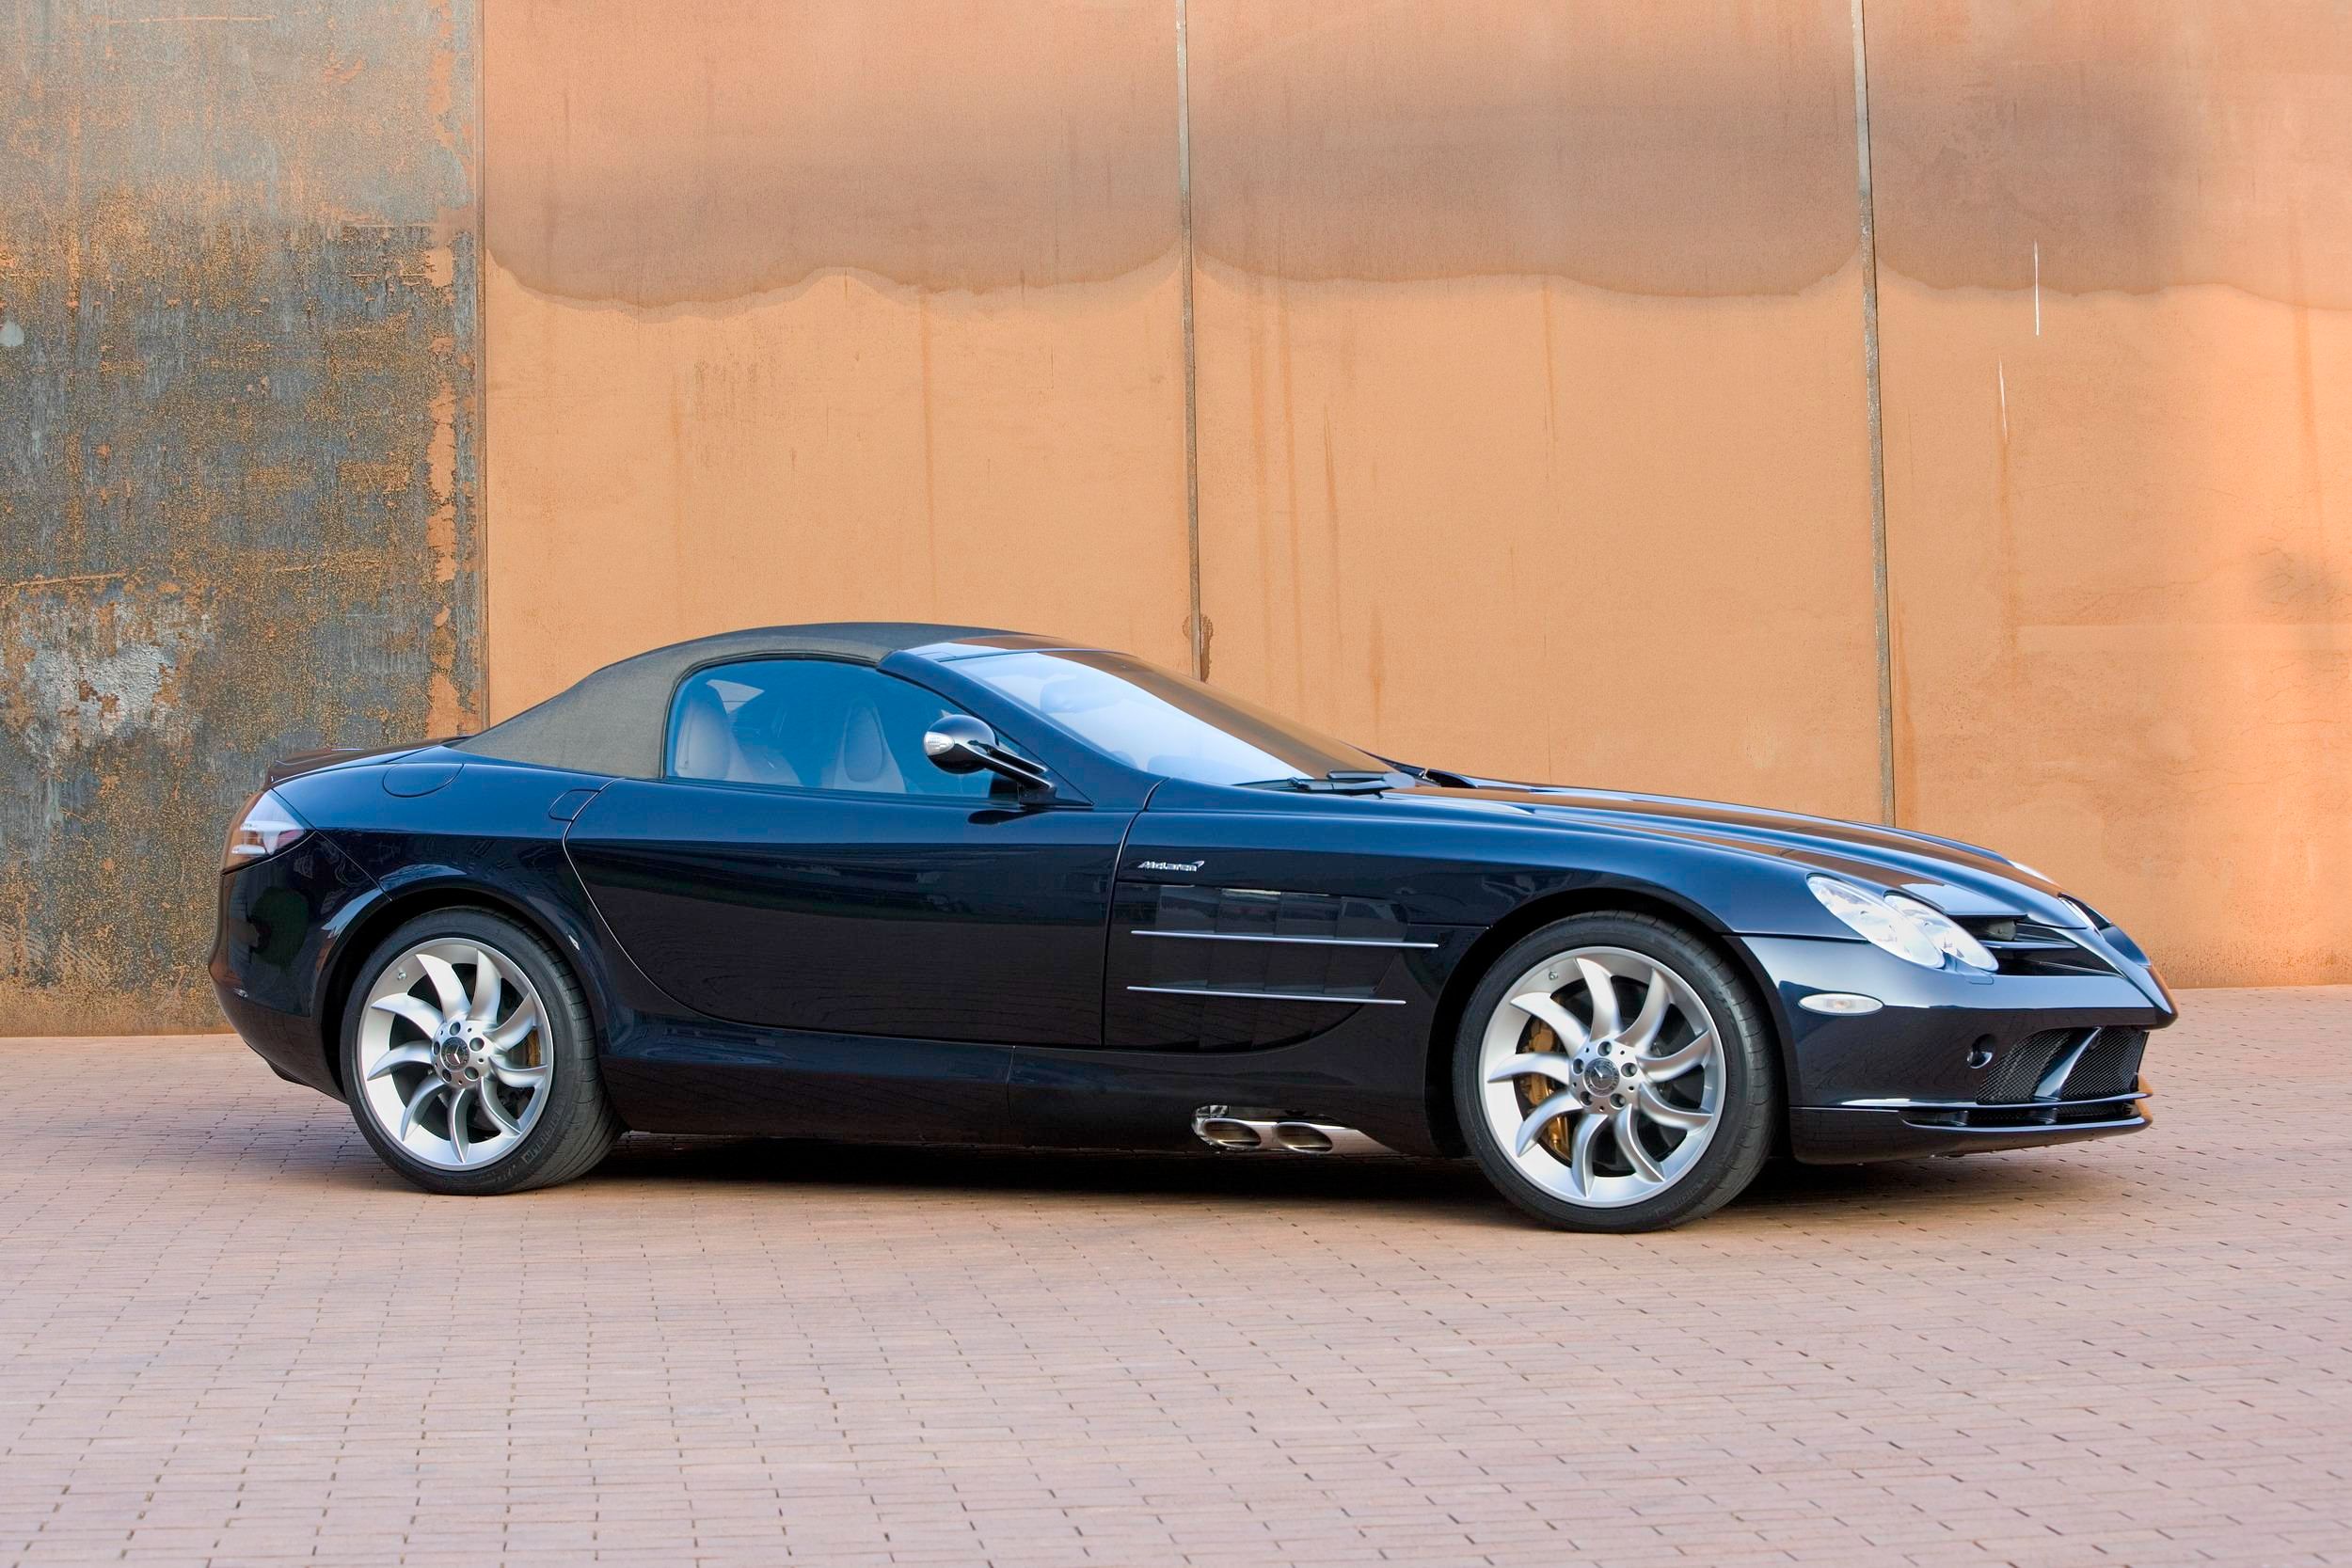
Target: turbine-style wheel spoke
x=1663, y=1111
x=401, y=1056
x=1550, y=1065
x=520, y=1024
x=1558, y=1019
x=428, y=1023
x=1603, y=991
x=1629, y=1141
x=496, y=1110
x=519, y=1077
x=1643, y=1031
x=460, y=1132
x=1603, y=1075
x=445, y=986
x=490, y=1076
x=485, y=989
x=1681, y=1060
x=424, y=1096
x=1541, y=1118
x=1581, y=1152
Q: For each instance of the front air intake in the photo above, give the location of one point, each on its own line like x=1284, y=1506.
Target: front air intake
x=2109, y=1065
x=2025, y=1063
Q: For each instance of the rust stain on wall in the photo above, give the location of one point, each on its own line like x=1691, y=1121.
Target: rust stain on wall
x=1532, y=431
x=237, y=470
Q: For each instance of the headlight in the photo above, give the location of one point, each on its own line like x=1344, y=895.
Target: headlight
x=1903, y=926
x=1949, y=937
x=264, y=828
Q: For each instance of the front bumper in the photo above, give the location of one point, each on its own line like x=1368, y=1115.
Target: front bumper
x=1851, y=1134
x=1955, y=1062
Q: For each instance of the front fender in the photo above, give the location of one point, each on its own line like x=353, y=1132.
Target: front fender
x=1448, y=868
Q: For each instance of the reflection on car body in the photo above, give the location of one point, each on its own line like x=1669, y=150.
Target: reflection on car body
x=924, y=883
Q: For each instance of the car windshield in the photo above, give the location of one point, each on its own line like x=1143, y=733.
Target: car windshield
x=1159, y=721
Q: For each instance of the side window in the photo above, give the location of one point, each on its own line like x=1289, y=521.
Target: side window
x=811, y=723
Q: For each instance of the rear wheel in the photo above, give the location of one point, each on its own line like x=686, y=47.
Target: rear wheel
x=470, y=1058
x=1614, y=1074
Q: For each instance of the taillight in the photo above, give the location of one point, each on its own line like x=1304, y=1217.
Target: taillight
x=264, y=828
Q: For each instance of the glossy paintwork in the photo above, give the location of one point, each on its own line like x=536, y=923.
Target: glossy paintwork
x=1192, y=948
x=276, y=924
x=798, y=962
x=929, y=917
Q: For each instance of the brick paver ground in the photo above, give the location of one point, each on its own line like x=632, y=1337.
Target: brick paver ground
x=227, y=1334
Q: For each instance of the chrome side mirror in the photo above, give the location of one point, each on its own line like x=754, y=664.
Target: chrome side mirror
x=959, y=743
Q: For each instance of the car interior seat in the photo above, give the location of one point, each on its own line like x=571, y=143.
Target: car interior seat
x=707, y=747
x=863, y=760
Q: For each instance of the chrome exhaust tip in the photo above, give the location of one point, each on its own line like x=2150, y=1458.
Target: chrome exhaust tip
x=1226, y=1132
x=1245, y=1129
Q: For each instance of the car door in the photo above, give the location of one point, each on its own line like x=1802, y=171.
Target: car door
x=803, y=867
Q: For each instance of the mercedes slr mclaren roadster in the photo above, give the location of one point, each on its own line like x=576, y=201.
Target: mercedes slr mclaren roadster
x=924, y=883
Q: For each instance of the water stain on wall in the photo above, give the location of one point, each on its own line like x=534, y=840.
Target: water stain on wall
x=2116, y=256
x=1533, y=426
x=829, y=309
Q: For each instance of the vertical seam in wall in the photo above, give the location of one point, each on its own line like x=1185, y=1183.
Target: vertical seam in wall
x=1877, y=430
x=481, y=360
x=1192, y=407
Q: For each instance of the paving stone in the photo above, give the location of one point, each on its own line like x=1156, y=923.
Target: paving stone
x=227, y=1335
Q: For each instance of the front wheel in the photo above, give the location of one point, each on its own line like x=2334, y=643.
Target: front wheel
x=1614, y=1074
x=470, y=1058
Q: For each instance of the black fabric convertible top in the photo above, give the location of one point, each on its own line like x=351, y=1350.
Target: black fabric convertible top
x=614, y=720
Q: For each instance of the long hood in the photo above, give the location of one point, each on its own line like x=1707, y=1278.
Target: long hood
x=1959, y=879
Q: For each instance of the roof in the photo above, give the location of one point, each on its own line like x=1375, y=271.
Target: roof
x=617, y=719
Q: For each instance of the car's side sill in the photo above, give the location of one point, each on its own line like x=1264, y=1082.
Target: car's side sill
x=1302, y=941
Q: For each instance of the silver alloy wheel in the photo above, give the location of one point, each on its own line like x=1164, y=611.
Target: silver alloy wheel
x=1602, y=1076
x=454, y=1057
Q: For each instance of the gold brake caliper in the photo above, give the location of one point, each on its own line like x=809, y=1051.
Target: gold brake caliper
x=1534, y=1089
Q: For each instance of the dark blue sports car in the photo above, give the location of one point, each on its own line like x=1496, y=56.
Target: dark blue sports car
x=925, y=883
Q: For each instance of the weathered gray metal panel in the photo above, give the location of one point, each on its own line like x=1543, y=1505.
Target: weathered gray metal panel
x=238, y=451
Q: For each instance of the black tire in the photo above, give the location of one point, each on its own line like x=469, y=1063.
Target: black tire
x=575, y=1129
x=1751, y=1101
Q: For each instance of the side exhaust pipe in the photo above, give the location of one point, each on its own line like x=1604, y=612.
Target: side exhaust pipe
x=1227, y=1132
x=1247, y=1129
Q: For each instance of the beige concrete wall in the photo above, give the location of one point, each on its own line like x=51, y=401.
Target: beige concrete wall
x=829, y=311
x=1534, y=413
x=2116, y=273
x=1532, y=423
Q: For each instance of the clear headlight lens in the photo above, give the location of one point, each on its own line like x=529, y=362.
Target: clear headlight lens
x=264, y=828
x=1903, y=926
x=1950, y=938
